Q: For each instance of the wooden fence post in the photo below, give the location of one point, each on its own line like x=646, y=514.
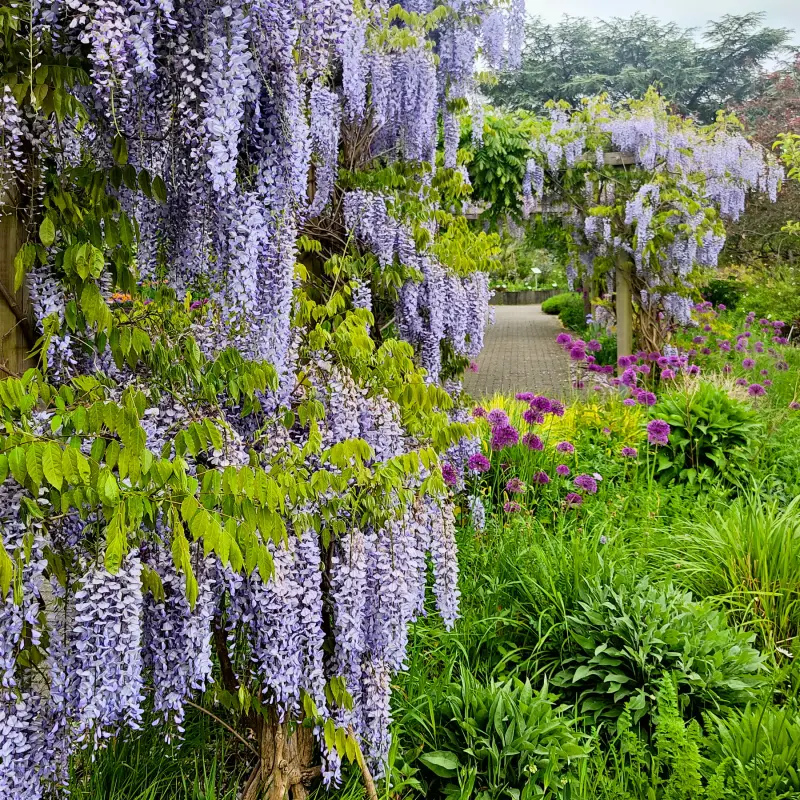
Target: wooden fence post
x=624, y=306
x=15, y=324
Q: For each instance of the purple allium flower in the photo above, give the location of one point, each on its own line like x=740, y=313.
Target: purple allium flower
x=557, y=408
x=498, y=417
x=724, y=345
x=563, y=339
x=629, y=377
x=763, y=321
x=643, y=369
x=667, y=374
x=504, y=436
x=449, y=474
x=727, y=369
x=473, y=366
x=629, y=401
x=699, y=340
x=478, y=462
x=756, y=390
x=722, y=307
x=741, y=381
x=658, y=432
x=748, y=363
x=759, y=347
x=577, y=353
x=767, y=382
x=542, y=403
x=629, y=452
x=781, y=366
x=707, y=327
x=572, y=500
x=515, y=486
x=778, y=323
x=607, y=431
x=526, y=397
x=587, y=483
x=594, y=346
x=693, y=370
x=562, y=470
x=578, y=384
x=532, y=442
x=479, y=412
x=647, y=399
x=541, y=477
x=565, y=447
x=794, y=405
x=706, y=351
x=533, y=416
x=511, y=507
x=764, y=372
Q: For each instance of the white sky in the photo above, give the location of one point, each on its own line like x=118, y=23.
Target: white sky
x=686, y=13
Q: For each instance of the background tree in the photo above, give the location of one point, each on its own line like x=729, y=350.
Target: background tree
x=578, y=57
x=760, y=236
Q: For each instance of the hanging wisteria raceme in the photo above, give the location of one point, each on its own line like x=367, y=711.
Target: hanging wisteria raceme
x=228, y=136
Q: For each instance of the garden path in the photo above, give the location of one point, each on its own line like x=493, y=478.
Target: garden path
x=520, y=355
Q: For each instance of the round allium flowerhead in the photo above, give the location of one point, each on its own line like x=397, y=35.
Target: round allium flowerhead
x=497, y=417
x=699, y=340
x=667, y=374
x=658, y=432
x=607, y=431
x=526, y=397
x=562, y=470
x=794, y=405
x=706, y=351
x=479, y=412
x=563, y=339
x=629, y=452
x=577, y=353
x=721, y=307
x=515, y=486
x=533, y=416
x=511, y=507
x=532, y=442
x=587, y=483
x=768, y=382
x=504, y=436
x=478, y=462
x=764, y=372
x=629, y=401
x=707, y=327
x=557, y=408
x=724, y=345
x=782, y=366
x=541, y=478
x=693, y=370
x=594, y=346
x=741, y=381
x=572, y=500
x=565, y=447
x=473, y=366
x=756, y=390
x=727, y=369
x=748, y=363
x=542, y=403
x=646, y=399
x=449, y=474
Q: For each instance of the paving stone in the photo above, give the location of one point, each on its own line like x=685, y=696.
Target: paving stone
x=520, y=354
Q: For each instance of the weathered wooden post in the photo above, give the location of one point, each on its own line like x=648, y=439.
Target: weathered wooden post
x=624, y=304
x=15, y=327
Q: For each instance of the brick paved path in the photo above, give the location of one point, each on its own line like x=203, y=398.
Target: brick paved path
x=520, y=355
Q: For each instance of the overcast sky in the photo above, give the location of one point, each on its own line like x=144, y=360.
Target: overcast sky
x=687, y=13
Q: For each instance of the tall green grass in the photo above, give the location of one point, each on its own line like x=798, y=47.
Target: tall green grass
x=748, y=556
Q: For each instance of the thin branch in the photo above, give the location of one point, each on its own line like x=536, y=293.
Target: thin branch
x=225, y=725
